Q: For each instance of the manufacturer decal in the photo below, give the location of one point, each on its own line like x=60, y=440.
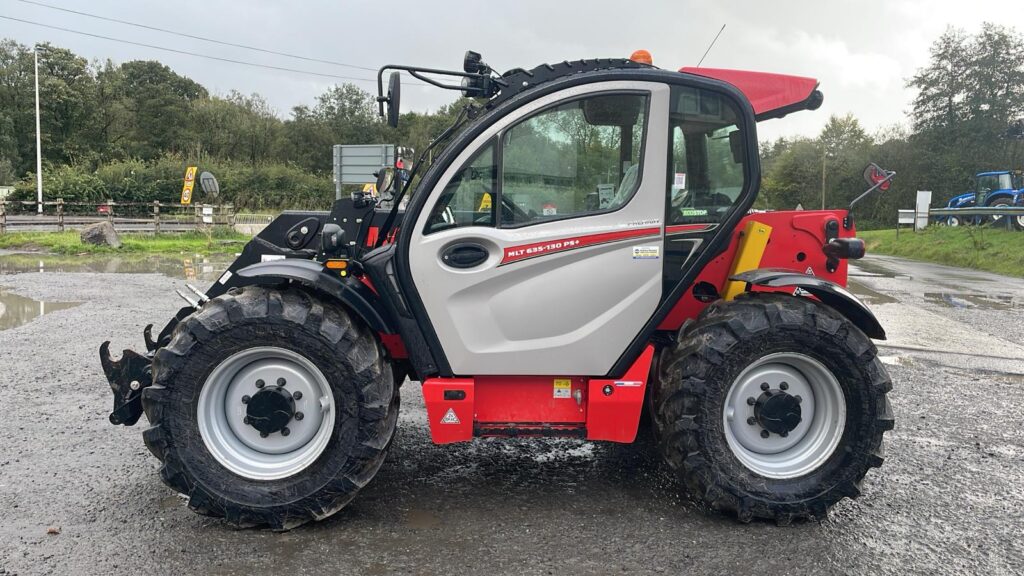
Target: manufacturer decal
x=271, y=257
x=563, y=388
x=524, y=251
x=694, y=212
x=450, y=417
x=646, y=252
x=225, y=277
x=628, y=383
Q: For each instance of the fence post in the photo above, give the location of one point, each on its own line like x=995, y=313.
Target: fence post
x=231, y=215
x=3, y=216
x=60, y=214
x=156, y=216
x=110, y=211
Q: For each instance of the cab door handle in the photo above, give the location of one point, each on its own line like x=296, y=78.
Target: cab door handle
x=464, y=255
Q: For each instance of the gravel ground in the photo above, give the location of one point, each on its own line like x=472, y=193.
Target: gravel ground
x=949, y=499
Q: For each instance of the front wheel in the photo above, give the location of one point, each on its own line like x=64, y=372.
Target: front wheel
x=772, y=406
x=270, y=407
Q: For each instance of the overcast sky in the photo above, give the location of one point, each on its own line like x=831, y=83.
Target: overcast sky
x=862, y=52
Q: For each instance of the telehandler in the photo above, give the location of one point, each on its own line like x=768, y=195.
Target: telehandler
x=615, y=267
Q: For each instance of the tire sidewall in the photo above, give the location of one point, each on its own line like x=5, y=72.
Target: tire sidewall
x=354, y=425
x=842, y=465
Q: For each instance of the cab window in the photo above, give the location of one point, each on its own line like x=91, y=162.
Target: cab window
x=468, y=199
x=708, y=156
x=576, y=159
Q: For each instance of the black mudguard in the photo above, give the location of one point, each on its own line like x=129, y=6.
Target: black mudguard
x=828, y=293
x=349, y=291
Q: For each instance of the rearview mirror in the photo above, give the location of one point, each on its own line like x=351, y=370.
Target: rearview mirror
x=394, y=95
x=878, y=177
x=616, y=110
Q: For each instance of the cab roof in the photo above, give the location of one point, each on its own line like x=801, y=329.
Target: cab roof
x=771, y=95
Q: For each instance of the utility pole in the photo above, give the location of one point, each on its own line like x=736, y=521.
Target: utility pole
x=39, y=146
x=823, y=156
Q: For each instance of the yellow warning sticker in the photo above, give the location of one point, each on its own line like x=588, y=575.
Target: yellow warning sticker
x=563, y=388
x=485, y=202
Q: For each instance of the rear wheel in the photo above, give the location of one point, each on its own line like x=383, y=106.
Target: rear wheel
x=1017, y=222
x=270, y=408
x=772, y=406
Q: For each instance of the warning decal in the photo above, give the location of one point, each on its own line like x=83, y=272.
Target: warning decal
x=563, y=388
x=450, y=417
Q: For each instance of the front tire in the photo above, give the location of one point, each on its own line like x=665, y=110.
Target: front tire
x=270, y=408
x=772, y=406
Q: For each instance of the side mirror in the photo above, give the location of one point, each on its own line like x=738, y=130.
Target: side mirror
x=394, y=96
x=385, y=177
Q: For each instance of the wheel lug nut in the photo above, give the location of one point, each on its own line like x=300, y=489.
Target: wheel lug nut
x=764, y=386
x=245, y=420
x=798, y=398
x=264, y=434
x=751, y=401
x=285, y=431
x=783, y=434
x=260, y=383
x=784, y=386
x=765, y=434
x=297, y=395
x=751, y=421
x=245, y=399
x=281, y=382
x=299, y=415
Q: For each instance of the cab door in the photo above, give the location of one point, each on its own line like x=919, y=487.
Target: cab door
x=540, y=249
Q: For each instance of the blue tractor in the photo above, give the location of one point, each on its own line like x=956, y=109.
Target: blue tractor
x=998, y=188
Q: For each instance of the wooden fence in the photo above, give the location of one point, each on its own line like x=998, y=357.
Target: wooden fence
x=124, y=216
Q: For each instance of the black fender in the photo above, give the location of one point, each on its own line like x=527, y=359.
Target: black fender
x=830, y=294
x=351, y=292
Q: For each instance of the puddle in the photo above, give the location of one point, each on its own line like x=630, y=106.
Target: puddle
x=868, y=295
x=867, y=268
x=16, y=310
x=196, y=267
x=964, y=301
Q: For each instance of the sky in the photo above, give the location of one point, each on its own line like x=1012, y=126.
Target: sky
x=861, y=52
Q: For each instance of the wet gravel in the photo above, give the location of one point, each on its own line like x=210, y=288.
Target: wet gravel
x=949, y=499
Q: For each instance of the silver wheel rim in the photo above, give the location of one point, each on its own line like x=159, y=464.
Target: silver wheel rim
x=807, y=446
x=954, y=221
x=999, y=217
x=238, y=446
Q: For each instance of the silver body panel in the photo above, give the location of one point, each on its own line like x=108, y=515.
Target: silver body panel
x=571, y=312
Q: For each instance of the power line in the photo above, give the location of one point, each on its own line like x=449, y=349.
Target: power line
x=213, y=40
x=187, y=53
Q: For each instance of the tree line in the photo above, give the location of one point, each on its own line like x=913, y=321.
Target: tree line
x=125, y=132
x=966, y=118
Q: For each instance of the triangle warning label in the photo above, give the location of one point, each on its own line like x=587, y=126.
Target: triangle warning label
x=450, y=417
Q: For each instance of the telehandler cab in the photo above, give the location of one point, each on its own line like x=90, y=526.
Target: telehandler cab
x=581, y=250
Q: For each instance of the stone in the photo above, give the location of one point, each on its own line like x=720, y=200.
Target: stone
x=100, y=234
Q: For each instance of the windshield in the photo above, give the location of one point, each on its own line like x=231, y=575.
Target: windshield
x=994, y=182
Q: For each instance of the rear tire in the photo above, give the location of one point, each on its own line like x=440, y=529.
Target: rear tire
x=717, y=446
x=221, y=464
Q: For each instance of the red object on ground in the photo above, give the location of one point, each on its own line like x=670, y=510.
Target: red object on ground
x=765, y=91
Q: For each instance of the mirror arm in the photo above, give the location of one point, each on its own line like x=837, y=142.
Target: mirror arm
x=386, y=227
x=848, y=220
x=418, y=73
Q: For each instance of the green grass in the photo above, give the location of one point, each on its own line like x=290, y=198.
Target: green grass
x=981, y=248
x=69, y=243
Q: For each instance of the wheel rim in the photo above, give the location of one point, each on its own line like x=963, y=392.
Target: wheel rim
x=999, y=217
x=954, y=221
x=286, y=388
x=806, y=444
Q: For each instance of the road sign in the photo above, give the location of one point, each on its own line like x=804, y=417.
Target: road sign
x=186, y=188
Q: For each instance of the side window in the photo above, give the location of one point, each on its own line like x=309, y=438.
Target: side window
x=708, y=156
x=468, y=199
x=578, y=158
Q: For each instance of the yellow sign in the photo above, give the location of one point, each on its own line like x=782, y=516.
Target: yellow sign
x=370, y=189
x=563, y=388
x=485, y=202
x=190, y=182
